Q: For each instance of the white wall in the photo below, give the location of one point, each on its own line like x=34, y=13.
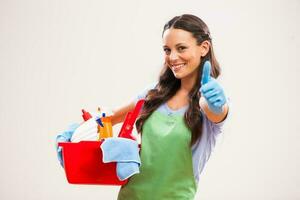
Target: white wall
x=57, y=57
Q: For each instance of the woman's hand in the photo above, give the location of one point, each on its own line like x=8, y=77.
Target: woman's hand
x=211, y=90
x=213, y=94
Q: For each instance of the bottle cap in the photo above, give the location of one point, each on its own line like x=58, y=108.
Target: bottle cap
x=86, y=115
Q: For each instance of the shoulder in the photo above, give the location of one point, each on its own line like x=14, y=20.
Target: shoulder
x=142, y=94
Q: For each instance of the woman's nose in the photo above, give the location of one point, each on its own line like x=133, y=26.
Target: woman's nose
x=173, y=56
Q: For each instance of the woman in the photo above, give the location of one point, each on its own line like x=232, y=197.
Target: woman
x=181, y=115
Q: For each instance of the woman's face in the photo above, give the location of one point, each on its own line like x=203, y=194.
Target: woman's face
x=182, y=54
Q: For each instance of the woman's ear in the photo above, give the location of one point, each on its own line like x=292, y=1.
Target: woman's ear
x=204, y=48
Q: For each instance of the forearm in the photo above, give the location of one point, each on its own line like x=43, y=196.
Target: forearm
x=214, y=117
x=119, y=114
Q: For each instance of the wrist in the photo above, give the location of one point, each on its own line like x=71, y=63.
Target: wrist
x=214, y=117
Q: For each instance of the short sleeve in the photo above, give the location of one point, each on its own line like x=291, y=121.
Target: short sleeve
x=144, y=92
x=204, y=146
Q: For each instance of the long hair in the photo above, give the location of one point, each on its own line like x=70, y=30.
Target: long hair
x=168, y=84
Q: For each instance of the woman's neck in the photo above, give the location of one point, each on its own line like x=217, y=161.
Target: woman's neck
x=187, y=83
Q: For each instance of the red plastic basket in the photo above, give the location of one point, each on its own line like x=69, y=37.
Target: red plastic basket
x=83, y=160
x=83, y=164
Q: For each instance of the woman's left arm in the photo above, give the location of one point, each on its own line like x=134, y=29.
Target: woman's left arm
x=214, y=117
x=213, y=100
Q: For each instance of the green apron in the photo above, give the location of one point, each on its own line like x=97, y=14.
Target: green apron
x=166, y=171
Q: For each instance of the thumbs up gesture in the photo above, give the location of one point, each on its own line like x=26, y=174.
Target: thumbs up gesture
x=211, y=90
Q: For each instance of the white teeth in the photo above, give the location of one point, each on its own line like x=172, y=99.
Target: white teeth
x=177, y=67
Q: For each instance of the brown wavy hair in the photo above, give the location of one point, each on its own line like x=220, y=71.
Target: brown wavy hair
x=168, y=85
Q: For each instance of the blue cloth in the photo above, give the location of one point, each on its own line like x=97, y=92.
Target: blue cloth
x=64, y=137
x=123, y=151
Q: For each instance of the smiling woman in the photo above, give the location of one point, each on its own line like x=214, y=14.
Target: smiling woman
x=182, y=52
x=182, y=115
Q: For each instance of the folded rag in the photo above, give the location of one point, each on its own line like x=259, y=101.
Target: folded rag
x=64, y=137
x=123, y=151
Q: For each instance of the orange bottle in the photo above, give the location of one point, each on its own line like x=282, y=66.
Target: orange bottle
x=105, y=131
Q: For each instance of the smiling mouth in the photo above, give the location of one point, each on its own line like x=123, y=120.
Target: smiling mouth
x=177, y=67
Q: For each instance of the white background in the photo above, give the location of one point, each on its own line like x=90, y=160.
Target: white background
x=58, y=56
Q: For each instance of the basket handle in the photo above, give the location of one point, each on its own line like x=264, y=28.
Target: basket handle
x=126, y=130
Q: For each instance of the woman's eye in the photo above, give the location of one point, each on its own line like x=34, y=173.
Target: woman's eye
x=167, y=51
x=181, y=48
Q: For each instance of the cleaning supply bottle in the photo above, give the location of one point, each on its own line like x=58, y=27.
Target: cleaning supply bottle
x=87, y=130
x=105, y=131
x=86, y=115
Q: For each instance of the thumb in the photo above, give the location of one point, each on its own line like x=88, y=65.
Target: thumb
x=206, y=73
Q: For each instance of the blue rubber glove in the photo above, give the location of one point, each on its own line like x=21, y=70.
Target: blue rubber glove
x=64, y=137
x=211, y=90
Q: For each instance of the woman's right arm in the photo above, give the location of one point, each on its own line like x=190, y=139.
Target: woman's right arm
x=119, y=114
